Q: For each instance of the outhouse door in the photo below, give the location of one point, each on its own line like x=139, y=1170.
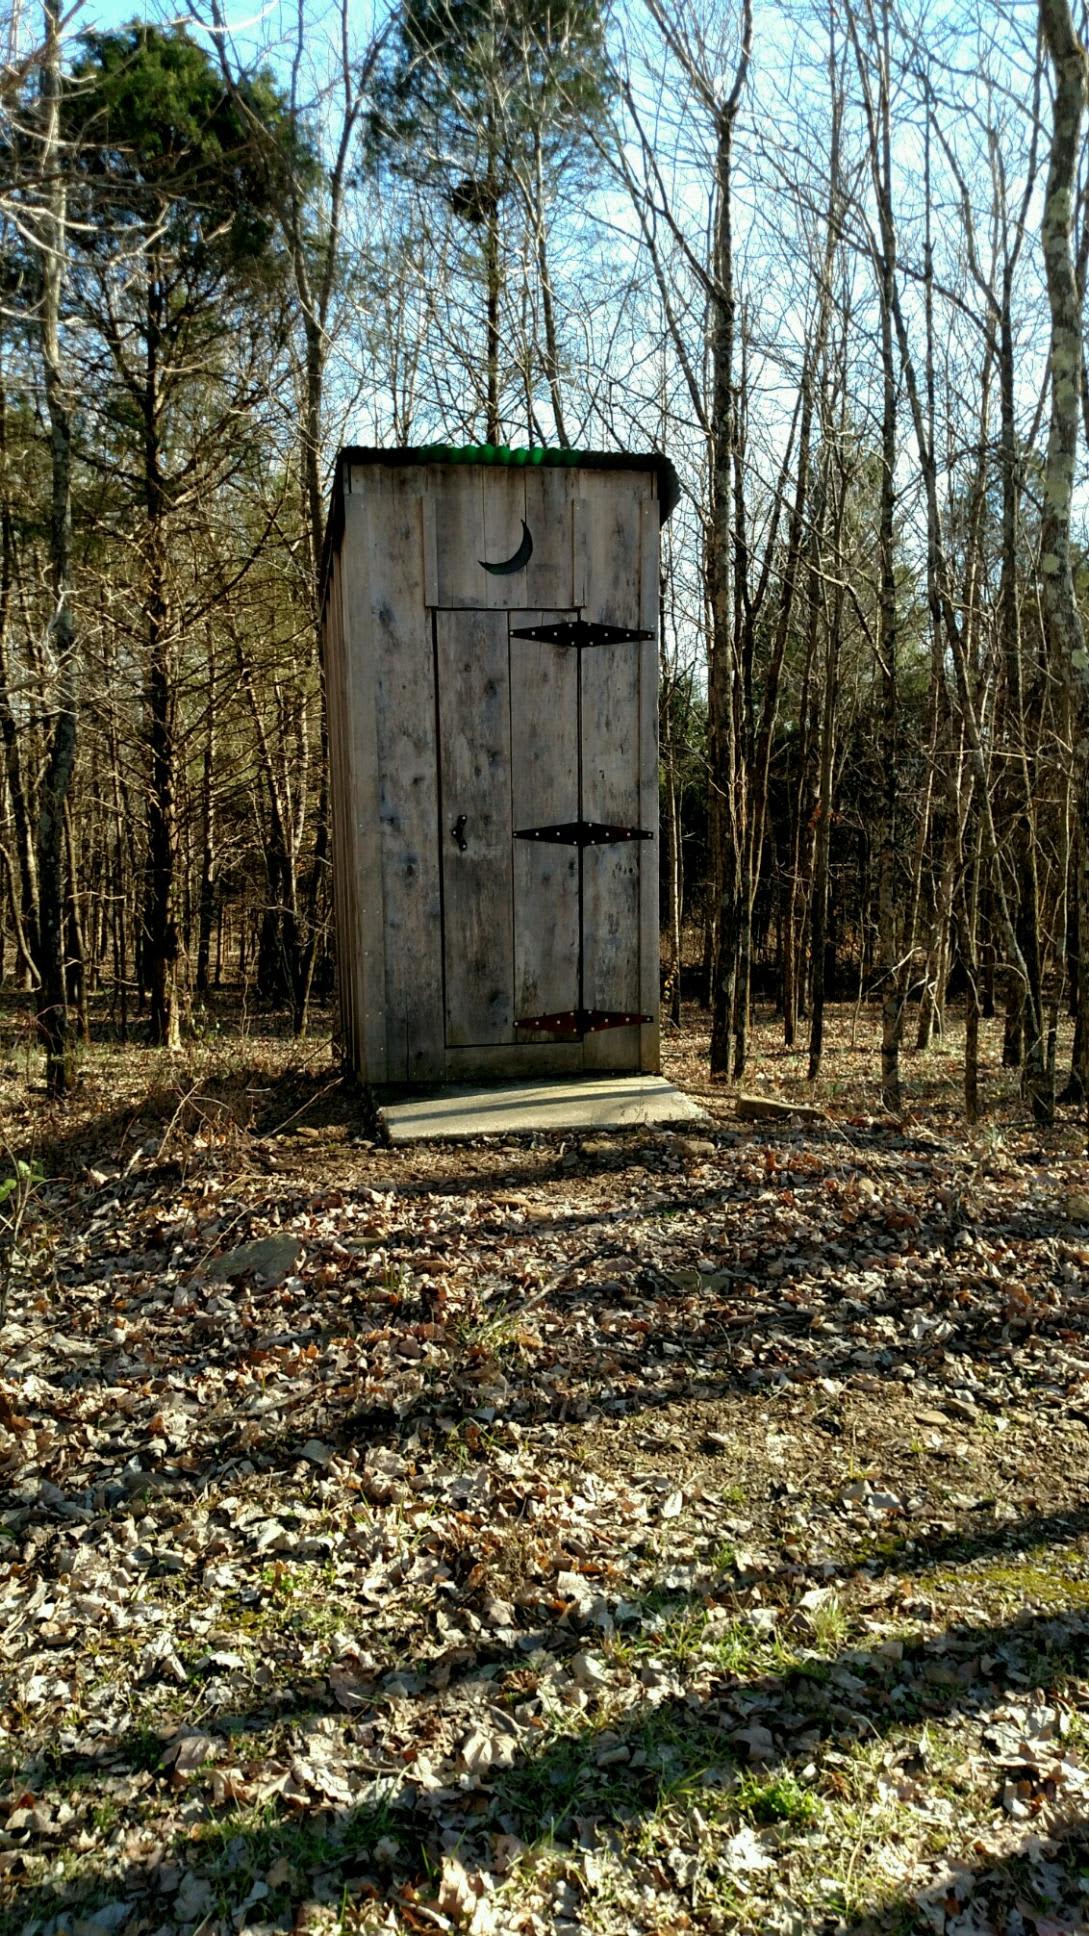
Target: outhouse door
x=539, y=777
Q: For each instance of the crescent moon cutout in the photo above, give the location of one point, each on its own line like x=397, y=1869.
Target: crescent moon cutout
x=518, y=561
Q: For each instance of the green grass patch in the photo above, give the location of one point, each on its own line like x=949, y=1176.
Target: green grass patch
x=661, y=1759
x=766, y=1799
x=1045, y=1576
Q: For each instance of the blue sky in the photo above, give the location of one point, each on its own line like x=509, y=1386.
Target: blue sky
x=260, y=22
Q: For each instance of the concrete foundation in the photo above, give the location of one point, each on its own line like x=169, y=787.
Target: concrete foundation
x=512, y=1108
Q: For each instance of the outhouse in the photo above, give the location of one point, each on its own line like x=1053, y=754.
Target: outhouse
x=490, y=623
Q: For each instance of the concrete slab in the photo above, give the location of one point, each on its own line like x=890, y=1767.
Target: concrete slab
x=583, y=1102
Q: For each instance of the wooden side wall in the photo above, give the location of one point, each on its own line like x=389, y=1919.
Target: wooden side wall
x=397, y=634
x=379, y=669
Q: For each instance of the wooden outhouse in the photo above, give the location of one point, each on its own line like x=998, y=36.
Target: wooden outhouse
x=491, y=663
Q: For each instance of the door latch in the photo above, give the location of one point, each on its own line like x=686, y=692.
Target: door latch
x=458, y=831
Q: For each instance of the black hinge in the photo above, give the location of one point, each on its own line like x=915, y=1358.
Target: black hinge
x=582, y=833
x=579, y=632
x=582, y=1021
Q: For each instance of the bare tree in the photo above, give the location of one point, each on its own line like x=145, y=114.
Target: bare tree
x=50, y=227
x=1067, y=55
x=310, y=211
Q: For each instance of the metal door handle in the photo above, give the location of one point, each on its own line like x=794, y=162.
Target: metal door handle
x=458, y=831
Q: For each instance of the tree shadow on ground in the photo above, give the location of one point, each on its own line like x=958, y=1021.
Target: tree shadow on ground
x=554, y=1784
x=163, y=1112
x=732, y=1335
x=744, y=1745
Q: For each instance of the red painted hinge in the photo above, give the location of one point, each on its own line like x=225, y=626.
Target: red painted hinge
x=582, y=1021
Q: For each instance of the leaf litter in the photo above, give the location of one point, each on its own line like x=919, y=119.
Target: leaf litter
x=652, y=1532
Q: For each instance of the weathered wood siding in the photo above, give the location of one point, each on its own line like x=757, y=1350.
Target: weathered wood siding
x=544, y=709
x=475, y=797
x=437, y=712
x=615, y=541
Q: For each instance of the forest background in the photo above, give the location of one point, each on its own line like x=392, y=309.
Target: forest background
x=830, y=257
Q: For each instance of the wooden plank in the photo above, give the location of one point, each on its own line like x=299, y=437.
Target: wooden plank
x=610, y=757
x=611, y=921
x=477, y=512
x=345, y=885
x=610, y=542
x=580, y=547
x=430, y=548
x=333, y=658
x=356, y=696
x=615, y=1050
x=527, y=1059
x=549, y=513
x=650, y=968
x=544, y=784
x=504, y=516
x=475, y=789
x=363, y=858
x=403, y=830
x=456, y=495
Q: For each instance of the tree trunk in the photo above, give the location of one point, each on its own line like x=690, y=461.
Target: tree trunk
x=52, y=1003
x=76, y=950
x=726, y=804
x=822, y=843
x=25, y=897
x=206, y=899
x=493, y=288
x=801, y=838
x=551, y=356
x=1065, y=365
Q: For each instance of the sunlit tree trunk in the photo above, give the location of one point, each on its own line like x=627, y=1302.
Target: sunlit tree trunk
x=206, y=897
x=52, y=1002
x=162, y=942
x=727, y=805
x=1068, y=644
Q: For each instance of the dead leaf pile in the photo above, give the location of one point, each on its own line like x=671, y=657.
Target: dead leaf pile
x=645, y=1533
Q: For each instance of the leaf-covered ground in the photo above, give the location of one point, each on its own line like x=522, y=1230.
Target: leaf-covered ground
x=656, y=1532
